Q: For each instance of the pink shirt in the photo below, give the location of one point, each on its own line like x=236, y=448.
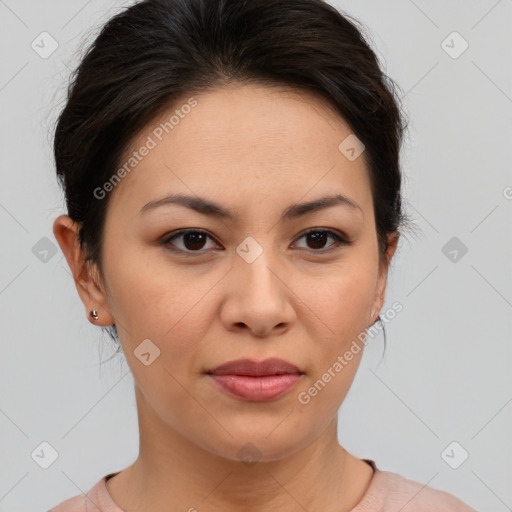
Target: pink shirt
x=388, y=492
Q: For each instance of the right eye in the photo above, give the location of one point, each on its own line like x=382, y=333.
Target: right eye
x=193, y=240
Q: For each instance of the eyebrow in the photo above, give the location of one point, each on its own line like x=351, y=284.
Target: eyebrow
x=207, y=207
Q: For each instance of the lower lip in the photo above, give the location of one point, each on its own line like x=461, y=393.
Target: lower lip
x=257, y=389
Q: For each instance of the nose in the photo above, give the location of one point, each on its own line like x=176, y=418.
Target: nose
x=259, y=298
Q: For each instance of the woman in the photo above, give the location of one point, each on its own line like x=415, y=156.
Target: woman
x=232, y=179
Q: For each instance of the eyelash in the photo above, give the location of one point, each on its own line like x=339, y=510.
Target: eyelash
x=339, y=240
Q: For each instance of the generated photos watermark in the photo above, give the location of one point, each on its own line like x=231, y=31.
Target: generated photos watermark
x=157, y=135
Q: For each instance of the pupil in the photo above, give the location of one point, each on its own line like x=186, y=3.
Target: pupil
x=318, y=237
x=196, y=239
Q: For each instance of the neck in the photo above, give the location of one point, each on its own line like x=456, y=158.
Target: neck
x=172, y=473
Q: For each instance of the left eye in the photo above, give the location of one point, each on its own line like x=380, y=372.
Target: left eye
x=194, y=239
x=319, y=236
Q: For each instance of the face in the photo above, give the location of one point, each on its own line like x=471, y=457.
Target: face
x=252, y=283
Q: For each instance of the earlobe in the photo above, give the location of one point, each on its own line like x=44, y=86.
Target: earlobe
x=85, y=275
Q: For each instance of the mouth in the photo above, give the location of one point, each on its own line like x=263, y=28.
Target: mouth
x=256, y=381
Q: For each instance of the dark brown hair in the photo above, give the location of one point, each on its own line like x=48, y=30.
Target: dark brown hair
x=156, y=51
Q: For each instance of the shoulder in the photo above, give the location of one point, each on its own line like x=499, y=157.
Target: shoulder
x=390, y=491
x=96, y=500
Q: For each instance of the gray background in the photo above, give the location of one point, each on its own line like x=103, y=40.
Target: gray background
x=446, y=374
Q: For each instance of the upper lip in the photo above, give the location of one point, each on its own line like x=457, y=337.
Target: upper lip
x=273, y=366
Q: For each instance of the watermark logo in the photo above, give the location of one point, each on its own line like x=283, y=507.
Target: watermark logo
x=146, y=352
x=351, y=147
x=454, y=249
x=44, y=45
x=249, y=249
x=454, y=455
x=249, y=454
x=44, y=250
x=454, y=45
x=44, y=455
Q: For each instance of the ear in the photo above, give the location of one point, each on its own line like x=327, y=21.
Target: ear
x=85, y=274
x=380, y=290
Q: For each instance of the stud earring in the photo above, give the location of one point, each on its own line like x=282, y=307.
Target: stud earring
x=94, y=314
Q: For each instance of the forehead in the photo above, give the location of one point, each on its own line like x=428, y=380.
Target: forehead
x=244, y=143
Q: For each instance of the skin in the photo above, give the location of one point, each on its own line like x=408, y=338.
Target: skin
x=255, y=150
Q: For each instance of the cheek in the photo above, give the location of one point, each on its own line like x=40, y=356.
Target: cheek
x=167, y=305
x=175, y=315
x=341, y=308
x=344, y=299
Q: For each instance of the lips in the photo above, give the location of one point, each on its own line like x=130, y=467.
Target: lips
x=273, y=366
x=256, y=381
